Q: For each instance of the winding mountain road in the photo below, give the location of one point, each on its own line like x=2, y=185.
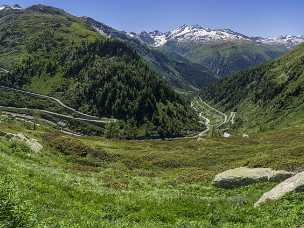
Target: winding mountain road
x=207, y=121
x=58, y=114
x=91, y=117
x=3, y=70
x=86, y=117
x=51, y=98
x=225, y=117
x=95, y=119
x=27, y=118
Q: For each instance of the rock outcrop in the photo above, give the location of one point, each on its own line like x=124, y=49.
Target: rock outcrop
x=295, y=183
x=244, y=176
x=32, y=143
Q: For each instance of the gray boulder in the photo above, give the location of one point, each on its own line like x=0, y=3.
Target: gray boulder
x=295, y=183
x=244, y=176
x=32, y=143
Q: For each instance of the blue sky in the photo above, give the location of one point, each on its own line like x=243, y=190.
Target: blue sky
x=251, y=17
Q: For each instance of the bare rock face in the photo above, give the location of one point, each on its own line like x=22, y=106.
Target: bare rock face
x=245, y=176
x=295, y=183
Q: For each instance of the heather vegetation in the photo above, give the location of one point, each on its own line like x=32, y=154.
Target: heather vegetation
x=92, y=181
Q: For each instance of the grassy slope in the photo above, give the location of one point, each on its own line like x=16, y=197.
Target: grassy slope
x=226, y=58
x=18, y=28
x=268, y=96
x=146, y=183
x=21, y=31
x=196, y=75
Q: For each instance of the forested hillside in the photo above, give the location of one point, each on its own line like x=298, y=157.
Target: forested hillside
x=226, y=57
x=266, y=97
x=58, y=54
x=178, y=71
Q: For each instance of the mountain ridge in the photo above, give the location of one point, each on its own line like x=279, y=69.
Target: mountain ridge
x=192, y=57
x=174, y=68
x=223, y=53
x=197, y=33
x=10, y=7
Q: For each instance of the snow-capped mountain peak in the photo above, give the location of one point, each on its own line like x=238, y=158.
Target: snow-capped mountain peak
x=194, y=33
x=198, y=33
x=287, y=40
x=8, y=7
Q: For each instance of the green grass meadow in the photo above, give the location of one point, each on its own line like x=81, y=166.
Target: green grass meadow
x=96, y=182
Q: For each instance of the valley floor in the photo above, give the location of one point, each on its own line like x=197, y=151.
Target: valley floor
x=95, y=182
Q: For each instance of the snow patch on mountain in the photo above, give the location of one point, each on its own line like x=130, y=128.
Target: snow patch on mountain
x=192, y=33
x=197, y=33
x=8, y=7
x=287, y=40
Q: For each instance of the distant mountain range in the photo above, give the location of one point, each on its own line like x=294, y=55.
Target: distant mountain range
x=10, y=7
x=197, y=33
x=179, y=71
x=288, y=41
x=217, y=52
x=221, y=51
x=191, y=57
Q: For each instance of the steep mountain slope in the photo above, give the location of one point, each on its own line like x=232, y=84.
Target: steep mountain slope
x=54, y=53
x=226, y=57
x=190, y=33
x=222, y=51
x=268, y=96
x=177, y=70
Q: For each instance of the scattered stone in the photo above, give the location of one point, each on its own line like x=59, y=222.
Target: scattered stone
x=245, y=176
x=295, y=183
